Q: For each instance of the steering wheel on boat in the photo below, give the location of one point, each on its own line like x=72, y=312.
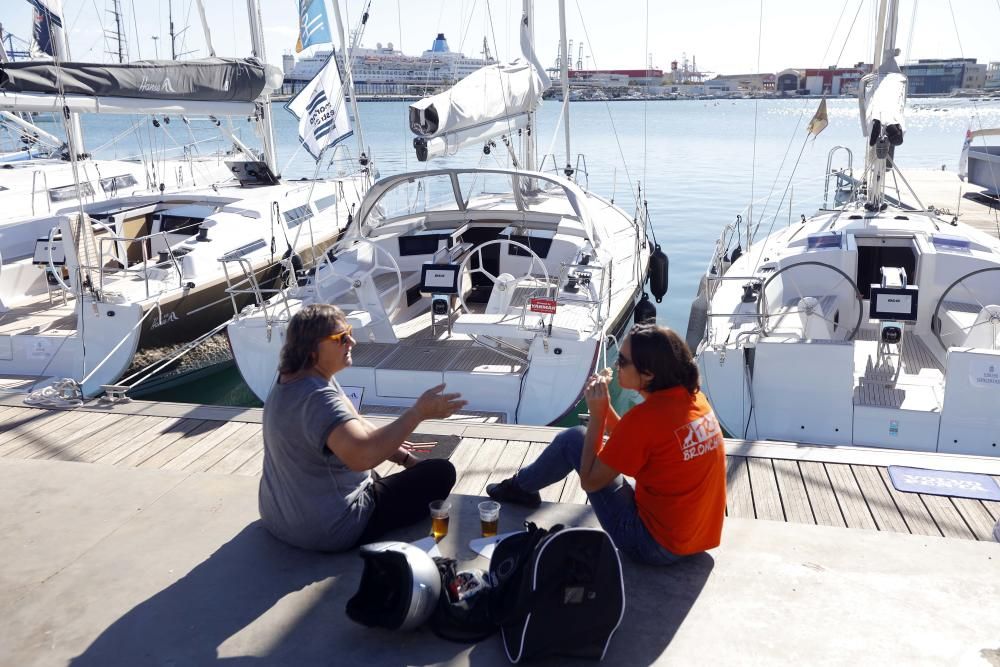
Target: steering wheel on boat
x=56, y=272
x=764, y=311
x=938, y=330
x=478, y=252
x=357, y=275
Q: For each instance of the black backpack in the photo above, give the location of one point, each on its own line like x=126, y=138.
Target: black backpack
x=557, y=592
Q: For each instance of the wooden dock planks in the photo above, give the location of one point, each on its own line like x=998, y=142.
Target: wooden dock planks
x=880, y=503
x=850, y=498
x=764, y=487
x=918, y=519
x=795, y=500
x=739, y=497
x=822, y=498
x=810, y=492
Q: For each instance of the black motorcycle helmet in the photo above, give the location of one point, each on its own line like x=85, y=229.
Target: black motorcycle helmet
x=400, y=586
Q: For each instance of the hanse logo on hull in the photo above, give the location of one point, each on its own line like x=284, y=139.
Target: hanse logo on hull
x=164, y=319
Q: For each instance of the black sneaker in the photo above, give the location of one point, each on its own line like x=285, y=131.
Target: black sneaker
x=508, y=491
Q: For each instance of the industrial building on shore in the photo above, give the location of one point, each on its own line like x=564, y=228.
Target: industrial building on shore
x=386, y=72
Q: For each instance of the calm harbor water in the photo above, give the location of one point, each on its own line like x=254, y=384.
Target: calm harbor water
x=694, y=160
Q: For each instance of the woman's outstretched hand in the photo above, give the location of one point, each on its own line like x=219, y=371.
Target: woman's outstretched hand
x=434, y=404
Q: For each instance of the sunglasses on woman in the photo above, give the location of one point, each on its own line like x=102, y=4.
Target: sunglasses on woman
x=622, y=361
x=339, y=337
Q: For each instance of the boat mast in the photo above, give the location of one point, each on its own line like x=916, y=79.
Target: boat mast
x=257, y=50
x=74, y=132
x=564, y=73
x=116, y=36
x=170, y=24
x=348, y=84
x=528, y=11
x=878, y=156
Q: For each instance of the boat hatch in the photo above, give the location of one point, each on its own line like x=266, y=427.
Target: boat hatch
x=874, y=253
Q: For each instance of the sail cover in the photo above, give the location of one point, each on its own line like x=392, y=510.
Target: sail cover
x=204, y=80
x=491, y=101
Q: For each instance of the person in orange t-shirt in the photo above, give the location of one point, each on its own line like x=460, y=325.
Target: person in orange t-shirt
x=671, y=443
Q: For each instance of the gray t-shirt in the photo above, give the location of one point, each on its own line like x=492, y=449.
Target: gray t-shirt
x=309, y=497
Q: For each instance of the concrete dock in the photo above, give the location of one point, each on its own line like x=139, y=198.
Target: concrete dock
x=951, y=196
x=130, y=537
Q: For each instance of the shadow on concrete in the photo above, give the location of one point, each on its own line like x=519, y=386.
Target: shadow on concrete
x=261, y=602
x=264, y=603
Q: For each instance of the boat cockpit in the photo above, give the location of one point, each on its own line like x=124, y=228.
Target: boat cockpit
x=489, y=250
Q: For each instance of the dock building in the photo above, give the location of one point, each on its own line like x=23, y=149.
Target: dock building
x=944, y=76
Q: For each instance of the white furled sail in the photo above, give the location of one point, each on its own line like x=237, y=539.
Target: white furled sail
x=322, y=114
x=886, y=104
x=492, y=101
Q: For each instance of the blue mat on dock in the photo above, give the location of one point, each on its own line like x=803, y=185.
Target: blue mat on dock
x=944, y=483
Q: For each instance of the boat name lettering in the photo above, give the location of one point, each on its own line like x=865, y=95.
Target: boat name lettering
x=162, y=87
x=165, y=319
x=987, y=374
x=541, y=305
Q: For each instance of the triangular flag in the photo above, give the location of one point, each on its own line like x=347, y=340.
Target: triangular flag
x=819, y=120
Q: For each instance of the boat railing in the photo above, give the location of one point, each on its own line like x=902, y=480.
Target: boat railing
x=118, y=265
x=600, y=305
x=713, y=285
x=549, y=165
x=246, y=283
x=716, y=270
x=45, y=190
x=842, y=178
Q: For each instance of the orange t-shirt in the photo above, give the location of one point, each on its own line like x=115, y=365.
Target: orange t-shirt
x=672, y=445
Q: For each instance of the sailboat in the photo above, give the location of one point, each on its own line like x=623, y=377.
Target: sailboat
x=506, y=284
x=868, y=324
x=132, y=273
x=44, y=180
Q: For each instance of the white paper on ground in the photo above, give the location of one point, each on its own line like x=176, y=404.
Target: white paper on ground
x=429, y=545
x=484, y=546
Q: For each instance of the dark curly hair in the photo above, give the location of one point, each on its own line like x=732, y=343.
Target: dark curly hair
x=660, y=352
x=306, y=330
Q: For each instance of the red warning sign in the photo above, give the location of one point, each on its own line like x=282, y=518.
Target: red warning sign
x=542, y=305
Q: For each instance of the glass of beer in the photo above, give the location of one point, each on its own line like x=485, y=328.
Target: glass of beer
x=489, y=517
x=439, y=518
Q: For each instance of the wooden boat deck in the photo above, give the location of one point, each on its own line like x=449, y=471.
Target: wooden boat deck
x=39, y=314
x=767, y=481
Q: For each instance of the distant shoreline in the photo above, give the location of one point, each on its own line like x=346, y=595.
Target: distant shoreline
x=413, y=98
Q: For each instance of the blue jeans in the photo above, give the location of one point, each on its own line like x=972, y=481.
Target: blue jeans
x=614, y=505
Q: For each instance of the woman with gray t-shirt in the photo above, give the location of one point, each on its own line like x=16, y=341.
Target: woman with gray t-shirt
x=318, y=490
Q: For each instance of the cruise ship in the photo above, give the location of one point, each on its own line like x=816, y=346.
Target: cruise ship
x=387, y=71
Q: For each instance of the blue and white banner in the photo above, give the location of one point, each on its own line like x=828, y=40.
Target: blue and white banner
x=47, y=20
x=320, y=108
x=314, y=26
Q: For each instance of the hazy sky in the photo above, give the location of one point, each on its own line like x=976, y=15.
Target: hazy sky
x=721, y=34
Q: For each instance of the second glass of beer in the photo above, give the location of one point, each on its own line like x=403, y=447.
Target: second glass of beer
x=489, y=517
